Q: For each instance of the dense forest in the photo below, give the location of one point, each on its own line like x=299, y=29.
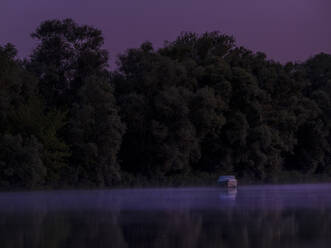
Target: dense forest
x=196, y=108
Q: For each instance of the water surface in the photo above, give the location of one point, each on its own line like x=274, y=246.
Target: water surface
x=252, y=216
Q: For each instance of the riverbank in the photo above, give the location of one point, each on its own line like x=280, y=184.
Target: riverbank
x=187, y=180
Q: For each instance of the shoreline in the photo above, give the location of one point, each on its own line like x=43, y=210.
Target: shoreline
x=154, y=185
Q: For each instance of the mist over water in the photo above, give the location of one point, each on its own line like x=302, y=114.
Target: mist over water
x=251, y=216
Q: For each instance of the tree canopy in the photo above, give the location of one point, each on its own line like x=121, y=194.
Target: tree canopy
x=199, y=105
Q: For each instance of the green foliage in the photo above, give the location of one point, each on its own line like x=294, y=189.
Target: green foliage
x=66, y=54
x=95, y=133
x=21, y=164
x=199, y=105
x=244, y=114
x=71, y=66
x=28, y=130
x=30, y=119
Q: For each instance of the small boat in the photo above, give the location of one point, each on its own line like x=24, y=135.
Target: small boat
x=228, y=181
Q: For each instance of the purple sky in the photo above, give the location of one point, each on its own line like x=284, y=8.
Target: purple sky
x=283, y=29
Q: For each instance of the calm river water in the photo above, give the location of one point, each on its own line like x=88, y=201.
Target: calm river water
x=252, y=216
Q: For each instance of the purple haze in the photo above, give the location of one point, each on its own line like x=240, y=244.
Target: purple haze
x=286, y=30
x=263, y=197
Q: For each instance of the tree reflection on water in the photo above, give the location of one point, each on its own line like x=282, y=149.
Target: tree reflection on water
x=230, y=226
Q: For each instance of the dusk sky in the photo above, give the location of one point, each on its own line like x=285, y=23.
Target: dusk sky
x=286, y=30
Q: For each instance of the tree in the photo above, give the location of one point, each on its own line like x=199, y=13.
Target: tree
x=72, y=69
x=67, y=53
x=27, y=128
x=31, y=119
x=21, y=163
x=95, y=132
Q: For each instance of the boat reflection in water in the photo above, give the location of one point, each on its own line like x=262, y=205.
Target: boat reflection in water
x=228, y=194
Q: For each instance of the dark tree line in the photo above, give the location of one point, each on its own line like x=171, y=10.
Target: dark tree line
x=199, y=105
